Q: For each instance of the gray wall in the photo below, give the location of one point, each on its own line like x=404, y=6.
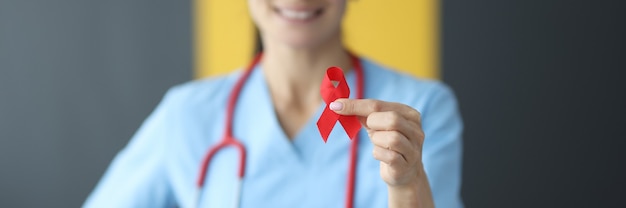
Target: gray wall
x=77, y=78
x=542, y=91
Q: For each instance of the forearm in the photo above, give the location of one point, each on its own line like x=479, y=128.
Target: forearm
x=415, y=194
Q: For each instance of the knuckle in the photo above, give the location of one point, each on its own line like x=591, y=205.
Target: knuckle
x=411, y=157
x=394, y=120
x=374, y=105
x=419, y=139
x=396, y=159
x=416, y=113
x=421, y=136
x=395, y=139
x=348, y=106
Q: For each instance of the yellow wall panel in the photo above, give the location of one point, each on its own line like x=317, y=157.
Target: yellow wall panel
x=223, y=35
x=401, y=33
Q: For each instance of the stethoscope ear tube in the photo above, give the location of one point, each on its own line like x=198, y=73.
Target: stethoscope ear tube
x=238, y=193
x=196, y=199
x=236, y=200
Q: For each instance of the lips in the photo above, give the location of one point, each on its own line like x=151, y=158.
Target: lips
x=298, y=15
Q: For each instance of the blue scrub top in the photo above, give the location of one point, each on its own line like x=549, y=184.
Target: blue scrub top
x=160, y=165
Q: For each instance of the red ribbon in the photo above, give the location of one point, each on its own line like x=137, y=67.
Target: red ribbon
x=331, y=93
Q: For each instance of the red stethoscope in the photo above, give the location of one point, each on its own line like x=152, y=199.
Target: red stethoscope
x=229, y=139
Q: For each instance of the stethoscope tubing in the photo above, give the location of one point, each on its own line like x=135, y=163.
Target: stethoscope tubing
x=229, y=140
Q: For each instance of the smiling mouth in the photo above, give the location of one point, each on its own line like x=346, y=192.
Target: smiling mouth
x=299, y=15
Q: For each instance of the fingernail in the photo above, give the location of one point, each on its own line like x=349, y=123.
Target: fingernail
x=336, y=106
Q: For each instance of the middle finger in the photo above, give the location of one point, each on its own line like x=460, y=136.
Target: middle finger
x=394, y=141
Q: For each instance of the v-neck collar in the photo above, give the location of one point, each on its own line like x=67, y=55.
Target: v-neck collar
x=308, y=140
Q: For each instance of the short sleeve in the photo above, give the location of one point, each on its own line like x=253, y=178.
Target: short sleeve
x=137, y=176
x=442, y=152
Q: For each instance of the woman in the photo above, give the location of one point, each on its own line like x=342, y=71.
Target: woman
x=405, y=158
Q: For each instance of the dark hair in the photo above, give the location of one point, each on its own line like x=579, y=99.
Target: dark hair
x=258, y=46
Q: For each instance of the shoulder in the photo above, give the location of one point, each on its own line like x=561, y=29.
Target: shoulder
x=202, y=91
x=389, y=84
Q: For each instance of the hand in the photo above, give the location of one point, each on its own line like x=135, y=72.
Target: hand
x=395, y=130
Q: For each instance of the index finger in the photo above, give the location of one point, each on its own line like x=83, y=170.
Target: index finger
x=364, y=107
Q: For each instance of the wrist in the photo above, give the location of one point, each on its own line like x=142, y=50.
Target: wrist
x=405, y=195
x=405, y=190
x=411, y=183
x=415, y=193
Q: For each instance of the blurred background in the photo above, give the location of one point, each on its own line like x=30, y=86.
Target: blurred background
x=540, y=86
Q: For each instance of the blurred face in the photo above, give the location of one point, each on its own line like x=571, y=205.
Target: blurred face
x=298, y=23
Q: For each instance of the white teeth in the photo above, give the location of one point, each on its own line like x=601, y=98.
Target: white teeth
x=296, y=14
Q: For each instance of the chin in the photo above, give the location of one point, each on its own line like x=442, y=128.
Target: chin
x=302, y=44
x=305, y=40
